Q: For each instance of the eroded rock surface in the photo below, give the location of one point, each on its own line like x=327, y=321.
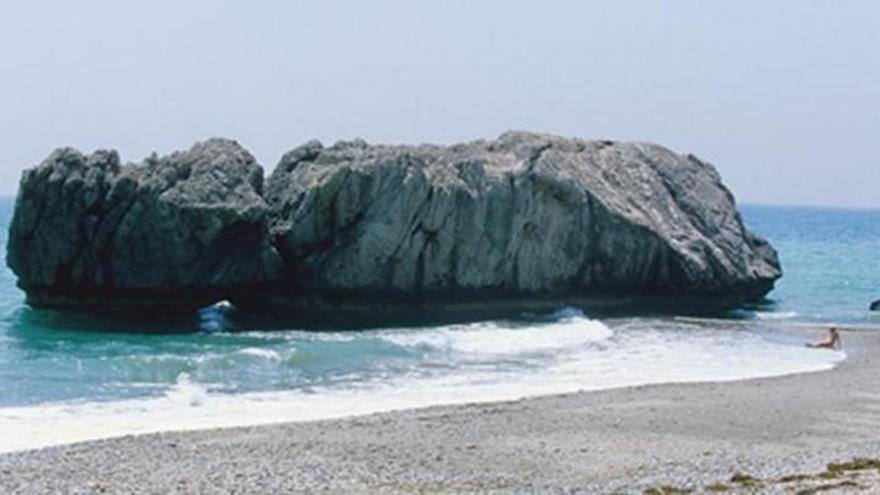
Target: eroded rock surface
x=180, y=230
x=526, y=214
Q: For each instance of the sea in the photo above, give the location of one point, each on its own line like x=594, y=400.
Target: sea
x=67, y=377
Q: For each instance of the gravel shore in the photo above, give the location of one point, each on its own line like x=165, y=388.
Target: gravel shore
x=774, y=435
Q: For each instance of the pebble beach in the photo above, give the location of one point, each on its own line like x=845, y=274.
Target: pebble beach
x=774, y=435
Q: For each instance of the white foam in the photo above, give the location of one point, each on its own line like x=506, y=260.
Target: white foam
x=781, y=315
x=490, y=338
x=186, y=393
x=626, y=357
x=261, y=353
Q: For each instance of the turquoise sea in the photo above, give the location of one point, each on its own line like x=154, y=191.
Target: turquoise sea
x=66, y=377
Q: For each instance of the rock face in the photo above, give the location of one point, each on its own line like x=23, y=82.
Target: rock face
x=526, y=214
x=180, y=231
x=875, y=306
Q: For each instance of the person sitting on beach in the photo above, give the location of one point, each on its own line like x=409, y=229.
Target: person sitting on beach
x=831, y=342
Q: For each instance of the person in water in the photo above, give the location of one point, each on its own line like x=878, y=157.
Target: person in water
x=830, y=342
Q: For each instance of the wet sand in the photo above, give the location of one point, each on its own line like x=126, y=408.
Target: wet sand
x=659, y=437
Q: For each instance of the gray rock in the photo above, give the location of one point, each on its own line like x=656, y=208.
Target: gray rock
x=177, y=231
x=524, y=214
x=516, y=219
x=875, y=306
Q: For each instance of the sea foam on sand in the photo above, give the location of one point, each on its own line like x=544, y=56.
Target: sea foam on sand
x=569, y=354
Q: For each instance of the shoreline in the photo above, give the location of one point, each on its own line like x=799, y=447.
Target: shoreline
x=189, y=406
x=688, y=435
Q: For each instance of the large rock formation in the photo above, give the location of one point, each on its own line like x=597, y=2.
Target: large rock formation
x=181, y=230
x=524, y=215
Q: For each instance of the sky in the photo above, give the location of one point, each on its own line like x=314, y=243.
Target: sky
x=783, y=97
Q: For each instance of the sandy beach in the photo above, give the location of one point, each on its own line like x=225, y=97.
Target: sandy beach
x=774, y=435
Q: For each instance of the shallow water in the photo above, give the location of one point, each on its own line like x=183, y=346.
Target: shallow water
x=66, y=377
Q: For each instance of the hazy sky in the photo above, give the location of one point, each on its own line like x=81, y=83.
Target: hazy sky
x=782, y=96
